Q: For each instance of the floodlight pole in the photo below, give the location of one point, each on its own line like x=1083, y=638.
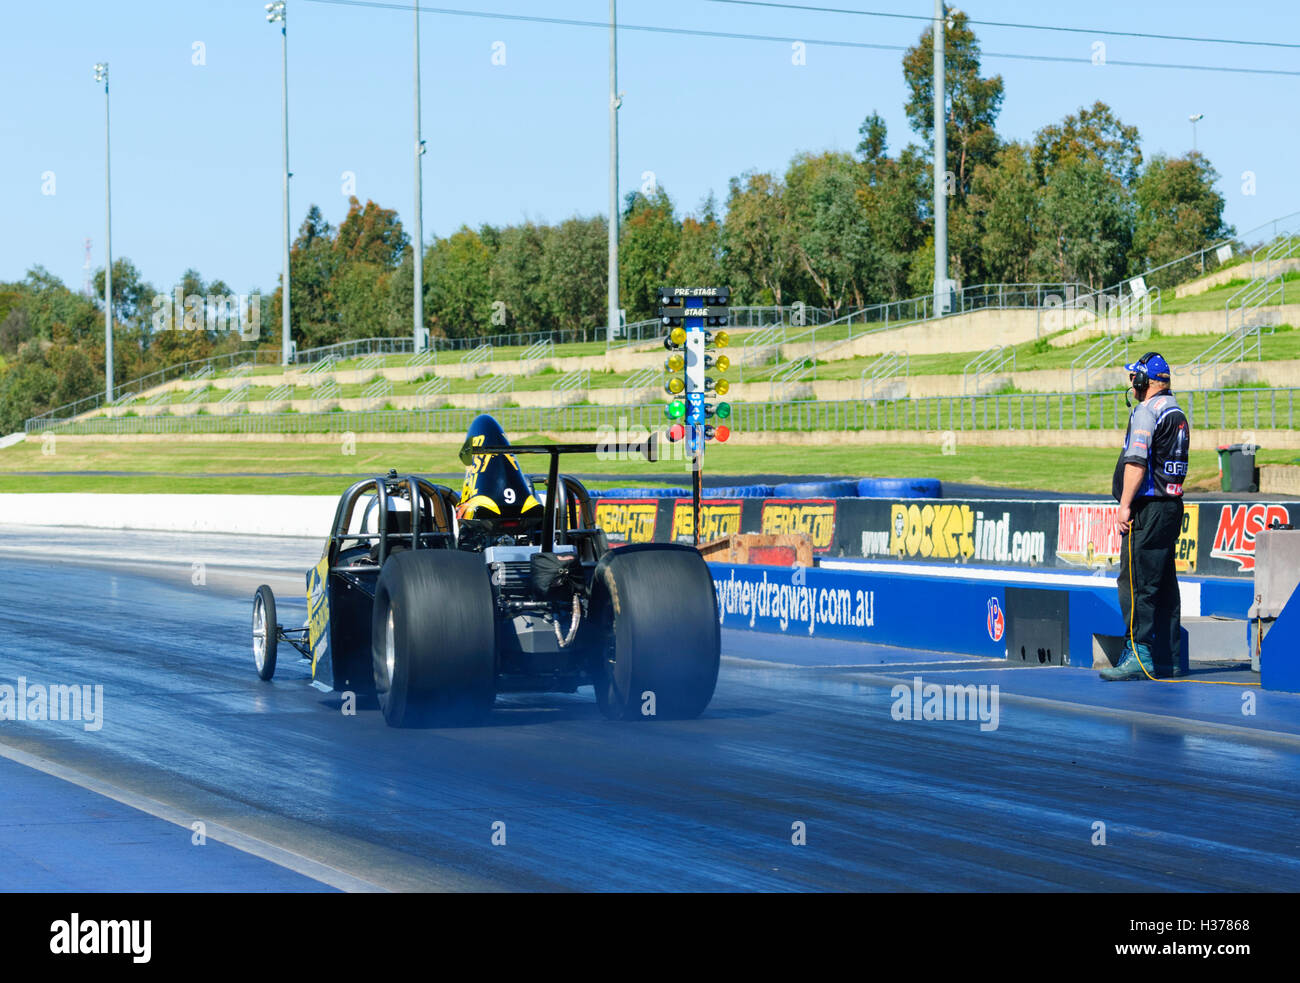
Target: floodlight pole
x=101, y=75
x=277, y=12
x=418, y=273
x=614, y=102
x=940, y=169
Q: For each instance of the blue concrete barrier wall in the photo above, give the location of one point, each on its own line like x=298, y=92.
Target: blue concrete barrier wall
x=943, y=615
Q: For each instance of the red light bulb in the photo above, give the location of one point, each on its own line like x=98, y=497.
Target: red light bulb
x=722, y=433
x=676, y=432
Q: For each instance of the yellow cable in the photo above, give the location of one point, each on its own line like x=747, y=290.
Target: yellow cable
x=1132, y=605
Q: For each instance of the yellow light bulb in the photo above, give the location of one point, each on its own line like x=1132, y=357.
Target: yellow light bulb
x=676, y=363
x=721, y=386
x=722, y=339
x=676, y=386
x=677, y=336
x=722, y=363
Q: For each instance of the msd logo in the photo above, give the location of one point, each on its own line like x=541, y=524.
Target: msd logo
x=1234, y=539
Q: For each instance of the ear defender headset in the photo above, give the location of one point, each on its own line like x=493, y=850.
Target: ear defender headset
x=1141, y=378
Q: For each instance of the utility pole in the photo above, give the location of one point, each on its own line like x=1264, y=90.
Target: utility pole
x=941, y=294
x=276, y=12
x=101, y=75
x=418, y=281
x=614, y=102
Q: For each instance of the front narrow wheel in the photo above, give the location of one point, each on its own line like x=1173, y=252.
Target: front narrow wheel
x=266, y=637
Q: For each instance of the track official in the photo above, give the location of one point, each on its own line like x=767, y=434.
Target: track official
x=1148, y=485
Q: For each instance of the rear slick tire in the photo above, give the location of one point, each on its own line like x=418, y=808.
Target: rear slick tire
x=657, y=639
x=434, y=639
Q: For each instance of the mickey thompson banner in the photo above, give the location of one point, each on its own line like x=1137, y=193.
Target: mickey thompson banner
x=1218, y=536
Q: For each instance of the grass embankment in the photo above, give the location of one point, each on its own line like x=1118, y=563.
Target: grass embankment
x=1214, y=298
x=242, y=467
x=1284, y=343
x=1034, y=355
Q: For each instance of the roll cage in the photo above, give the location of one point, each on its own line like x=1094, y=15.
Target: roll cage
x=429, y=519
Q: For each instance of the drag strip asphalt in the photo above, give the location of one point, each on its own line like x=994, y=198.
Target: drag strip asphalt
x=296, y=795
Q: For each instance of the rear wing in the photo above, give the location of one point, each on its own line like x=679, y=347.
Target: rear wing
x=648, y=448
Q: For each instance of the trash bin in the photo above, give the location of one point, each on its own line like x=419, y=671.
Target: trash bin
x=1237, y=471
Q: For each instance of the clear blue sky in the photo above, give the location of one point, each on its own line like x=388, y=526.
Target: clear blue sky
x=196, y=148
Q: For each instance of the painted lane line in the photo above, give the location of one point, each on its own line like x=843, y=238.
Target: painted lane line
x=317, y=871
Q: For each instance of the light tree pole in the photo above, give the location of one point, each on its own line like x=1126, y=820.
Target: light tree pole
x=101, y=75
x=941, y=298
x=418, y=281
x=277, y=13
x=615, y=100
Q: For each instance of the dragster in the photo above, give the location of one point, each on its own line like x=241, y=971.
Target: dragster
x=435, y=602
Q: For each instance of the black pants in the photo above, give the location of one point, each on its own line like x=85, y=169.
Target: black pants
x=1148, y=580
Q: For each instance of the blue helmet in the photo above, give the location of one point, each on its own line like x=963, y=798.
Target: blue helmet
x=1150, y=366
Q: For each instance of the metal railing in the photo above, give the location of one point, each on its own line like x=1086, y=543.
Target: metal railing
x=1284, y=247
x=323, y=366
x=237, y=395
x=1223, y=409
x=569, y=384
x=826, y=338
x=1085, y=368
x=329, y=389
x=651, y=378
x=436, y=386
x=195, y=369
x=538, y=350
x=885, y=315
x=362, y=347
x=377, y=390
x=635, y=333
x=990, y=362
x=758, y=346
x=741, y=318
x=478, y=356
x=791, y=374
x=495, y=385
x=1245, y=303
x=886, y=369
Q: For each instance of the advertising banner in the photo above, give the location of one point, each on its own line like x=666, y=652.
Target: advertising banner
x=1217, y=539
x=1087, y=535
